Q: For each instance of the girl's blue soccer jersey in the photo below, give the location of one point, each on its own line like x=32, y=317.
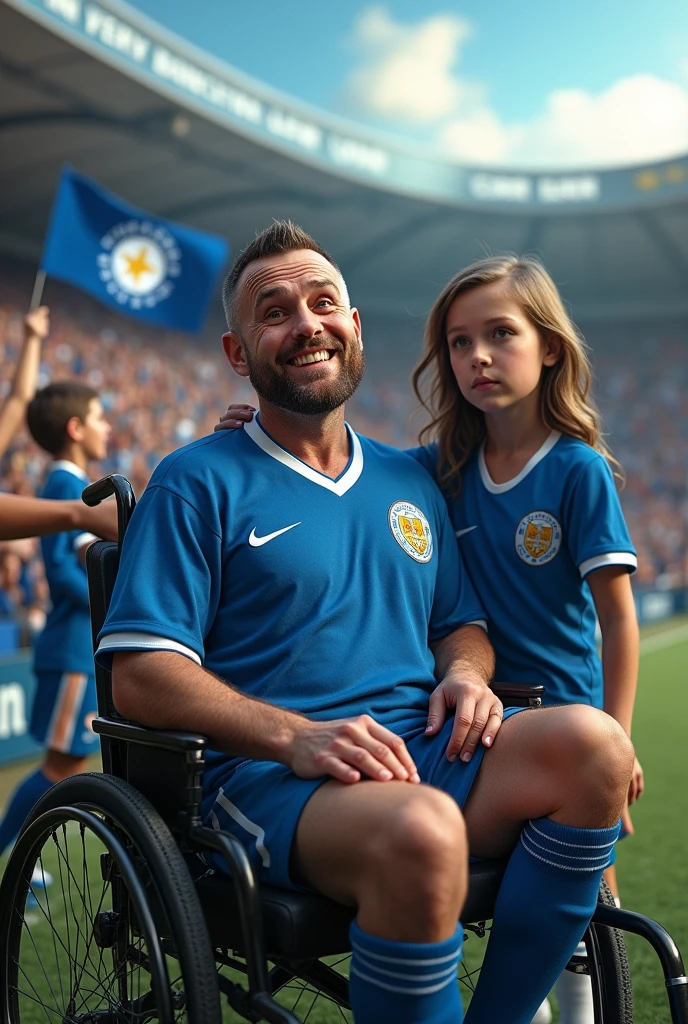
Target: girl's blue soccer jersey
x=314, y=594
x=65, y=645
x=528, y=546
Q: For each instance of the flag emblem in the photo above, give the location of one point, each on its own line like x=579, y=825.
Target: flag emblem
x=143, y=266
x=538, y=538
x=411, y=530
x=139, y=263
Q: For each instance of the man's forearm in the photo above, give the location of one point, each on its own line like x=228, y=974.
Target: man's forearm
x=169, y=691
x=38, y=517
x=466, y=649
x=35, y=517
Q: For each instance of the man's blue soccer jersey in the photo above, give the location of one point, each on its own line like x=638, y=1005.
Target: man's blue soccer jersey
x=65, y=644
x=528, y=546
x=314, y=594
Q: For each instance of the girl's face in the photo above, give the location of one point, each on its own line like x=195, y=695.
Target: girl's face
x=496, y=353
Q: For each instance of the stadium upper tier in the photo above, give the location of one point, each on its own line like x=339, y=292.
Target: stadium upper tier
x=176, y=131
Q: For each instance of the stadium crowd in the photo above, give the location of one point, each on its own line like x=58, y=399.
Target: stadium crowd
x=161, y=390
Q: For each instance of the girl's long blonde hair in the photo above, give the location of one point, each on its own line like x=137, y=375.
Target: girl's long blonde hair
x=565, y=403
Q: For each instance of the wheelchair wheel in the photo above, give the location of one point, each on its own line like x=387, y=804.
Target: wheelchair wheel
x=118, y=937
x=606, y=962
x=609, y=970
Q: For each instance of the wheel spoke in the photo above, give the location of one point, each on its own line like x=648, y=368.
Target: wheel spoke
x=87, y=940
x=47, y=903
x=64, y=947
x=27, y=930
x=39, y=1002
x=315, y=996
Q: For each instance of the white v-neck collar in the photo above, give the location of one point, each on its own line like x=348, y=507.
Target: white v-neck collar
x=70, y=467
x=532, y=462
x=339, y=486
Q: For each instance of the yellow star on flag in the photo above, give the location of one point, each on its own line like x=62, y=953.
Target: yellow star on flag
x=138, y=264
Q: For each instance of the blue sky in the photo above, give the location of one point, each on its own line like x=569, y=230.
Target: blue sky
x=497, y=81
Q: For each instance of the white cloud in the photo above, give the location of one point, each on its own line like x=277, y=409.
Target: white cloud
x=480, y=137
x=638, y=118
x=409, y=75
x=407, y=72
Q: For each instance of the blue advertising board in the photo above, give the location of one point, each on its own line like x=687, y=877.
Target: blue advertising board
x=17, y=687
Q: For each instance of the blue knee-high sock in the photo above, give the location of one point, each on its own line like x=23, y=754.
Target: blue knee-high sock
x=547, y=897
x=24, y=797
x=404, y=982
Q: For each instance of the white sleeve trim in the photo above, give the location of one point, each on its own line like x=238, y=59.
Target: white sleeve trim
x=611, y=558
x=478, y=622
x=84, y=538
x=144, y=642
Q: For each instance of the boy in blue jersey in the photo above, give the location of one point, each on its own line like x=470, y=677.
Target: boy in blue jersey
x=66, y=419
x=294, y=591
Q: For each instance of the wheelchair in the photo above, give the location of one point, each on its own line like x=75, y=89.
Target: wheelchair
x=138, y=926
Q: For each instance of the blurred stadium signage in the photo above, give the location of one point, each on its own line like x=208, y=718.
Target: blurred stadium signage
x=17, y=687
x=112, y=31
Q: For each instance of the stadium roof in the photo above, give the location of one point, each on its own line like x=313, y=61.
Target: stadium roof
x=177, y=132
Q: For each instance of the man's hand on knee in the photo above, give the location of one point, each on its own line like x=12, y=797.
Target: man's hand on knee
x=350, y=749
x=477, y=713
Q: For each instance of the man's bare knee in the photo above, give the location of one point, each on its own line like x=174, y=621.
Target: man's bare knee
x=417, y=864
x=572, y=764
x=425, y=838
x=591, y=758
x=398, y=852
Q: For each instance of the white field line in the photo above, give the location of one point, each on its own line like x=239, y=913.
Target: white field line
x=666, y=639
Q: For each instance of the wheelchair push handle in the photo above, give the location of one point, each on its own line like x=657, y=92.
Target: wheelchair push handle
x=118, y=485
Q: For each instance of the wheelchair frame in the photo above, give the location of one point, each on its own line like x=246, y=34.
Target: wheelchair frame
x=296, y=929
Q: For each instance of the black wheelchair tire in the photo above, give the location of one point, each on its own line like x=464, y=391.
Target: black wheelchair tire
x=609, y=969
x=163, y=873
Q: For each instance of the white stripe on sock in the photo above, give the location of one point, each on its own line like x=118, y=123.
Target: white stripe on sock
x=446, y=973
x=554, y=863
x=400, y=960
x=591, y=861
x=577, y=846
x=401, y=990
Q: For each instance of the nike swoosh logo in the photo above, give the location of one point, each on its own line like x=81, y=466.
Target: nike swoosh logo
x=460, y=533
x=257, y=542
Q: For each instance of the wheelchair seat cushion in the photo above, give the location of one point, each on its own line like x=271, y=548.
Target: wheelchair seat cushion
x=303, y=924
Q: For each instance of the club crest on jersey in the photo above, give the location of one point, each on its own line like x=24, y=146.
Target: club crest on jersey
x=538, y=538
x=410, y=530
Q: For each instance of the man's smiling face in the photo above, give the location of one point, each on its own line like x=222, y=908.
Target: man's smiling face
x=297, y=338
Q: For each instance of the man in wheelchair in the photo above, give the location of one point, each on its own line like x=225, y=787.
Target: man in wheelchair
x=294, y=592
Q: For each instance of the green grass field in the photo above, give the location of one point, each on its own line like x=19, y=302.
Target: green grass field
x=652, y=865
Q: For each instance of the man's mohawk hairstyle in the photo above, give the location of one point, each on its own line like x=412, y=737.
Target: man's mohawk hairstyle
x=281, y=236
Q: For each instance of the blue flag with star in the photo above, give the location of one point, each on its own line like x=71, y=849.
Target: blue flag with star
x=141, y=265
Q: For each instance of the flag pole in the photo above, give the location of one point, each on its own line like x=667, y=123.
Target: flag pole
x=38, y=286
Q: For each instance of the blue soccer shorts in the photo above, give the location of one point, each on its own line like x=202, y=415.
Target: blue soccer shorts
x=260, y=802
x=63, y=709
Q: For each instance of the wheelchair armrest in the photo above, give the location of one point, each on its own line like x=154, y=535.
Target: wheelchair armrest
x=163, y=739
x=164, y=765
x=519, y=695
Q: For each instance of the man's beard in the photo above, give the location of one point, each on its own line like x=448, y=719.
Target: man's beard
x=307, y=399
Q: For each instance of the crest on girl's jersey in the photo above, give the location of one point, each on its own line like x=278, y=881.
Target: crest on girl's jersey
x=538, y=538
x=411, y=530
